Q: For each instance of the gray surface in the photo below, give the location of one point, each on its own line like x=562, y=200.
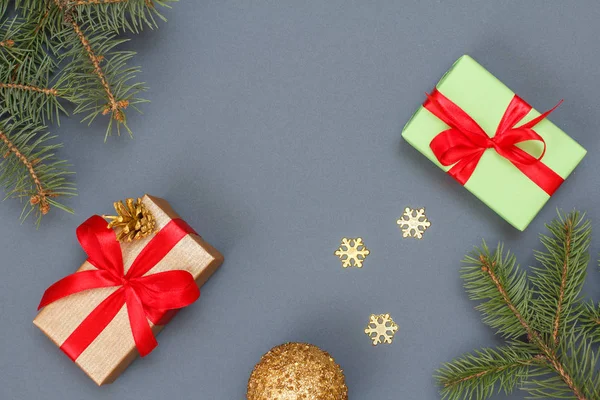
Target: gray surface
x=274, y=130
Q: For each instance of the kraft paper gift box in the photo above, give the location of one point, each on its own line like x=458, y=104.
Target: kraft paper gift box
x=496, y=180
x=114, y=348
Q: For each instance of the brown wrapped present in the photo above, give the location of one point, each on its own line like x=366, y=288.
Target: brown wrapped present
x=107, y=312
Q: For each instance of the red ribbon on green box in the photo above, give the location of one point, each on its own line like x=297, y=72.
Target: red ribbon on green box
x=465, y=142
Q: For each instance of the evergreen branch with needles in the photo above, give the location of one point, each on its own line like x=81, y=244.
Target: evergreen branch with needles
x=550, y=350
x=59, y=55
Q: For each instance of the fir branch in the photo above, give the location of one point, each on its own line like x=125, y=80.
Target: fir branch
x=114, y=107
x=506, y=292
x=121, y=15
x=41, y=22
x=54, y=52
x=41, y=194
x=15, y=42
x=47, y=21
x=553, y=340
x=38, y=104
x=488, y=371
x=96, y=78
x=96, y=2
x=576, y=354
x=90, y=95
x=490, y=268
x=32, y=6
x=568, y=228
x=589, y=320
x=559, y=279
x=30, y=169
x=28, y=88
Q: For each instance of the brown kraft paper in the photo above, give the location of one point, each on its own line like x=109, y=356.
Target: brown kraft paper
x=114, y=349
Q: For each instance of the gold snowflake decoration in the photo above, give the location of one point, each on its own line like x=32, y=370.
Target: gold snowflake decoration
x=413, y=223
x=352, y=252
x=381, y=329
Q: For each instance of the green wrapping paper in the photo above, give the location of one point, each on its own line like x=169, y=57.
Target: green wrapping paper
x=495, y=181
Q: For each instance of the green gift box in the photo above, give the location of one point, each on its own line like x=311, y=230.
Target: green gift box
x=513, y=184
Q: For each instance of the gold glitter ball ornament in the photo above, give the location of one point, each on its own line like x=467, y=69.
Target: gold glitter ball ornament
x=297, y=371
x=133, y=220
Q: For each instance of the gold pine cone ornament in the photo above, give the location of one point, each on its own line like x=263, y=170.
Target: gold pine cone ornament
x=133, y=220
x=297, y=371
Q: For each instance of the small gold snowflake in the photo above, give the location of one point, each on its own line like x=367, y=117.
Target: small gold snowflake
x=381, y=329
x=413, y=223
x=352, y=252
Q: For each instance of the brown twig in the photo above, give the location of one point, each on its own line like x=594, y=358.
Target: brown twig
x=532, y=334
x=42, y=195
x=87, y=2
x=40, y=23
x=149, y=3
x=7, y=43
x=28, y=88
x=557, y=365
x=115, y=107
x=563, y=282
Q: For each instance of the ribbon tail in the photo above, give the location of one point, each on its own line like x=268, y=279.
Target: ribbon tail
x=76, y=283
x=539, y=118
x=540, y=174
x=142, y=333
x=93, y=325
x=162, y=318
x=462, y=170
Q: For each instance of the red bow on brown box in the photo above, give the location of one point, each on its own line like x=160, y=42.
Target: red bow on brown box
x=125, y=292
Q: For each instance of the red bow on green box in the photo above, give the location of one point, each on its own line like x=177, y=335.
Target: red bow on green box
x=463, y=145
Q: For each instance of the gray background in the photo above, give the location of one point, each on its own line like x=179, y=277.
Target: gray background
x=274, y=130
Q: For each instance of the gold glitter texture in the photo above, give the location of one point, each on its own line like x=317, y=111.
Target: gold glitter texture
x=352, y=252
x=413, y=223
x=297, y=371
x=381, y=329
